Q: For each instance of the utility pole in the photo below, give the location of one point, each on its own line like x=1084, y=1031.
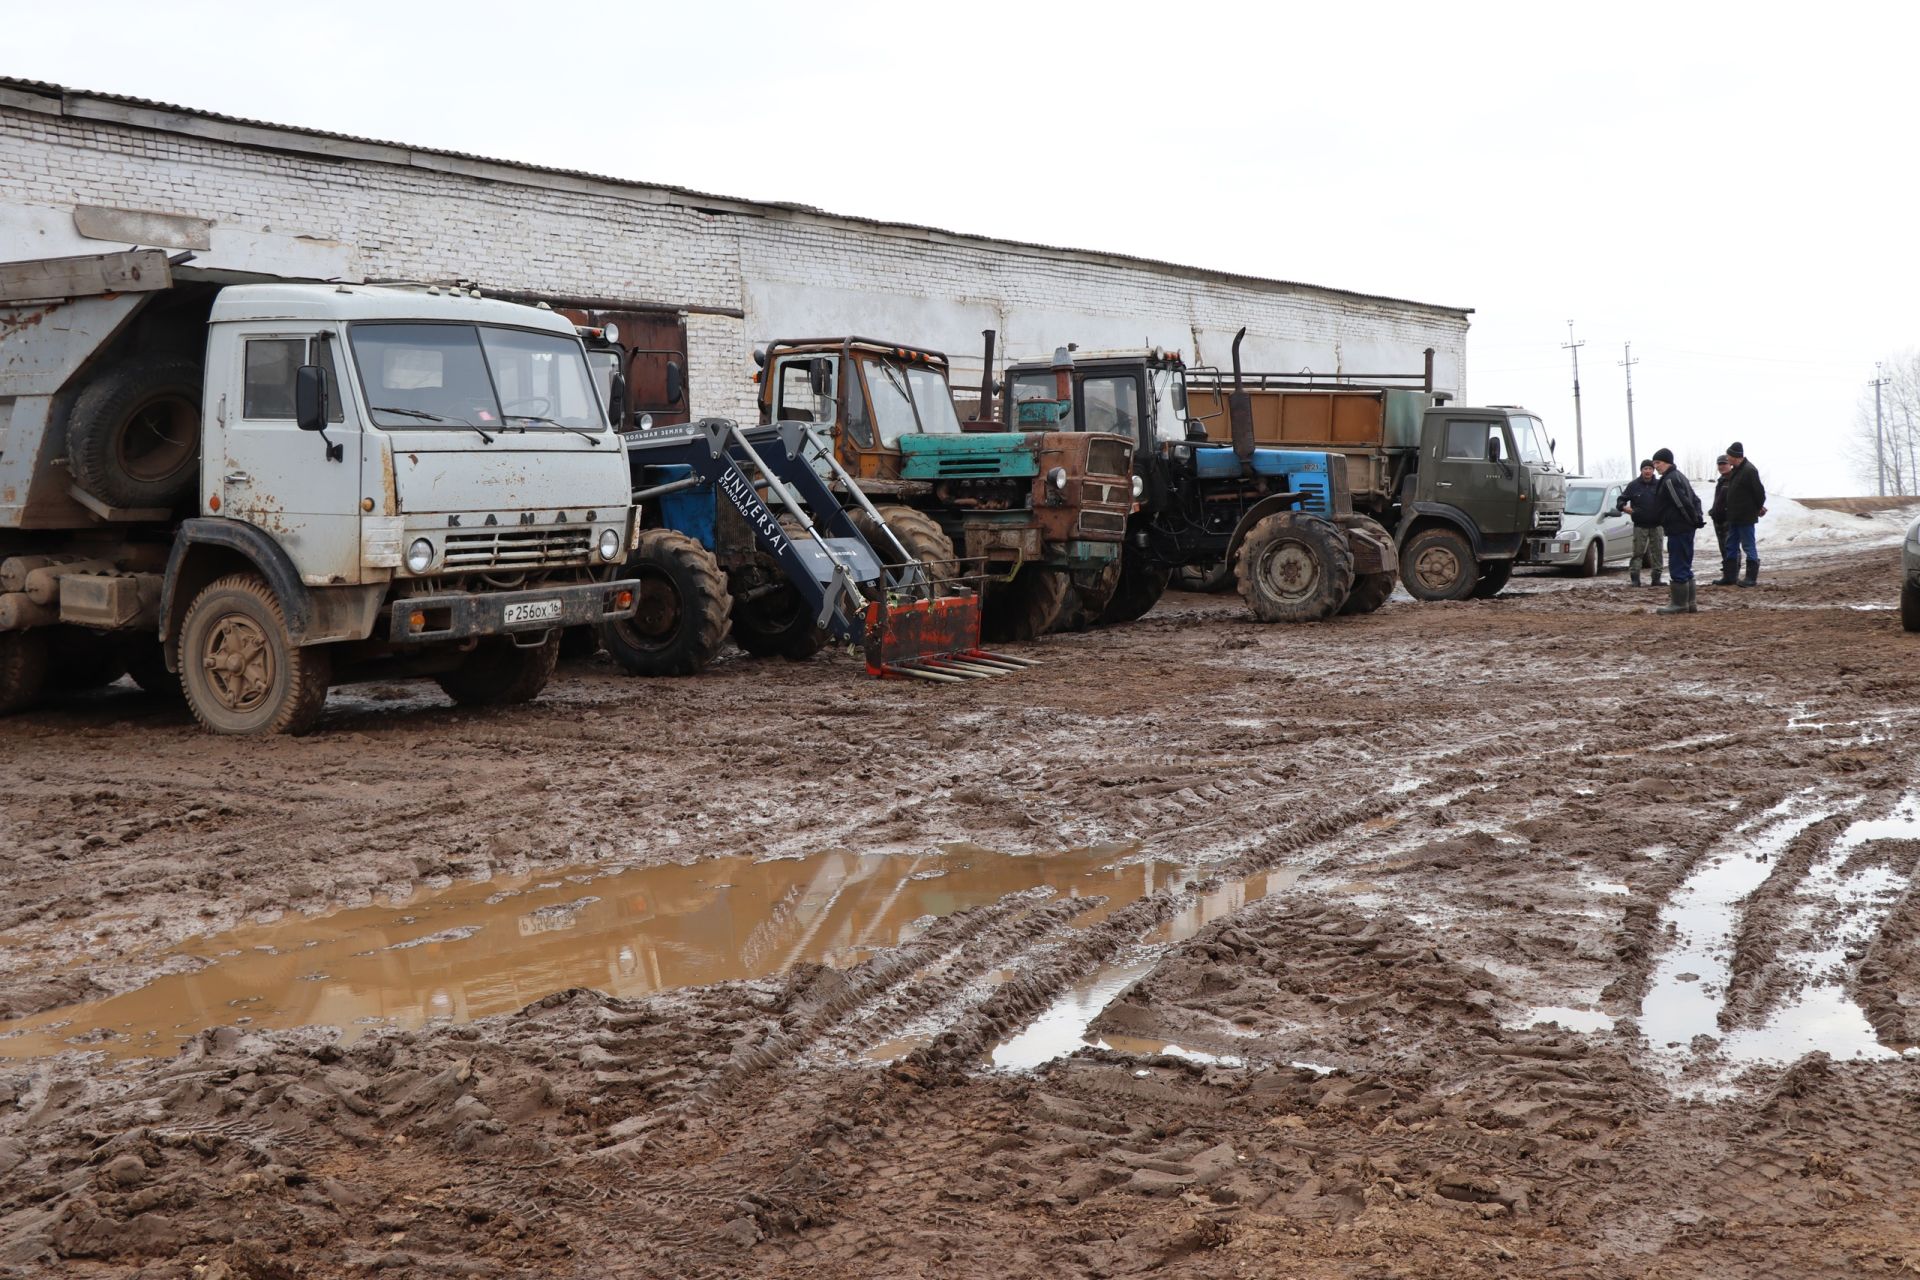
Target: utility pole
x=1879, y=435
x=1579, y=433
x=1913, y=459
x=1633, y=450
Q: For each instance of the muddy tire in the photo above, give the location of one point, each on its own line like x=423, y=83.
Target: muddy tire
x=1910, y=606
x=78, y=660
x=1028, y=607
x=1370, y=590
x=777, y=625
x=1494, y=576
x=1140, y=588
x=1591, y=563
x=23, y=669
x=1208, y=579
x=682, y=614
x=500, y=673
x=147, y=664
x=1295, y=567
x=239, y=666
x=133, y=436
x=1084, y=605
x=917, y=531
x=1438, y=564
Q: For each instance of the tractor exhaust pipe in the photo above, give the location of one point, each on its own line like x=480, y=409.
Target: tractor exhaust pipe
x=1240, y=411
x=986, y=410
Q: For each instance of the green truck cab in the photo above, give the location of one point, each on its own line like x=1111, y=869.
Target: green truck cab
x=1042, y=510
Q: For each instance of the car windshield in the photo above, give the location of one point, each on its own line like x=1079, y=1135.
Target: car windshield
x=460, y=375
x=1530, y=439
x=897, y=391
x=1583, y=500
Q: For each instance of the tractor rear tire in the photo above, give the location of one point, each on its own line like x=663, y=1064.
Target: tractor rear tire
x=500, y=673
x=923, y=538
x=1438, y=564
x=133, y=435
x=1370, y=590
x=1295, y=567
x=1085, y=605
x=680, y=621
x=79, y=659
x=1140, y=588
x=23, y=669
x=1494, y=576
x=242, y=671
x=1027, y=607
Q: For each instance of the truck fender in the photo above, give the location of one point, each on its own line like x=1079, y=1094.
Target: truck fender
x=204, y=550
x=1254, y=515
x=1424, y=515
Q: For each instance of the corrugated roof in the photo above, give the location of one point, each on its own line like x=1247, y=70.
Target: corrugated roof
x=72, y=102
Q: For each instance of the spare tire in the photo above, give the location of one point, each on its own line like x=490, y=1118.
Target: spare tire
x=133, y=436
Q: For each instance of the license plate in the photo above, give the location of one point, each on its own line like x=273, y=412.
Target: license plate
x=533, y=611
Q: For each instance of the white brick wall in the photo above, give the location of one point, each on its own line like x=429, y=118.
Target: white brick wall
x=314, y=206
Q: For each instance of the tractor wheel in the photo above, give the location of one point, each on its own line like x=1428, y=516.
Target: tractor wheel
x=239, y=665
x=23, y=669
x=147, y=664
x=680, y=621
x=133, y=436
x=500, y=673
x=1140, y=588
x=1295, y=567
x=776, y=625
x=1084, y=605
x=1027, y=607
x=79, y=659
x=1494, y=576
x=923, y=538
x=1438, y=564
x=1370, y=590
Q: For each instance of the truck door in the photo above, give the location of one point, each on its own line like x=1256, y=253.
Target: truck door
x=278, y=477
x=1473, y=469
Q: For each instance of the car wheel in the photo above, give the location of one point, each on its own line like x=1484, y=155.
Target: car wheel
x=1596, y=559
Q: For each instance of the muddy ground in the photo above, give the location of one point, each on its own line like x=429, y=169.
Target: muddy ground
x=1558, y=939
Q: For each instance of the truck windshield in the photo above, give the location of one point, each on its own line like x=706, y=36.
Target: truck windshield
x=908, y=399
x=460, y=375
x=1530, y=439
x=1583, y=500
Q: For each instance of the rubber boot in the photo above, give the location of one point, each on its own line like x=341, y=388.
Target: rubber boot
x=1636, y=573
x=1656, y=577
x=1729, y=574
x=1693, y=595
x=1676, y=599
x=1753, y=574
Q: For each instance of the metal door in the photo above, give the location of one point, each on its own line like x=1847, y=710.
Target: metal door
x=1468, y=474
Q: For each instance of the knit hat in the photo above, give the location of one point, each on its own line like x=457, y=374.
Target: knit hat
x=1666, y=456
x=1646, y=463
x=1736, y=450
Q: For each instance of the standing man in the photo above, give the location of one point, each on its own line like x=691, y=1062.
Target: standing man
x=1746, y=503
x=1718, y=514
x=1680, y=515
x=1638, y=500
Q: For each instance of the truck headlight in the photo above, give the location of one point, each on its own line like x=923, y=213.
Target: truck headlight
x=609, y=544
x=1139, y=488
x=420, y=556
x=1058, y=479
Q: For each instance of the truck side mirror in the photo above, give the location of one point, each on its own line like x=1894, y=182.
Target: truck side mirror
x=310, y=397
x=676, y=382
x=1493, y=448
x=820, y=374
x=617, y=400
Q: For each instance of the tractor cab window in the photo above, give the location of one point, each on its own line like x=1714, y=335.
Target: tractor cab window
x=1111, y=402
x=1473, y=441
x=1169, y=406
x=795, y=399
x=1035, y=388
x=907, y=399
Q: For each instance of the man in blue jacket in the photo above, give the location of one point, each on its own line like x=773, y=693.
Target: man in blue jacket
x=1681, y=516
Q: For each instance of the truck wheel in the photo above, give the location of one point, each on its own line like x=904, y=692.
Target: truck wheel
x=680, y=621
x=1295, y=567
x=500, y=673
x=1494, y=576
x=917, y=531
x=239, y=666
x=80, y=659
x=1909, y=613
x=147, y=664
x=1084, y=605
x=1370, y=590
x=133, y=436
x=1027, y=607
x=1438, y=564
x=23, y=669
x=1141, y=585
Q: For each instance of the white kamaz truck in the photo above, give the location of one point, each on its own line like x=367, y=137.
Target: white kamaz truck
x=246, y=493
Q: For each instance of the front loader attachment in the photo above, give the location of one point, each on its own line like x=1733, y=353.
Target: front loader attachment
x=932, y=639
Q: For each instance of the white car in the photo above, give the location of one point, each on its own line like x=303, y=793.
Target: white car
x=1593, y=535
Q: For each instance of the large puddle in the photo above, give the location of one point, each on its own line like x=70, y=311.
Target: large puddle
x=474, y=950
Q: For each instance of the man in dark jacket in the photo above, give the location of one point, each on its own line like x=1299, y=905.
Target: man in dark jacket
x=1718, y=511
x=1746, y=503
x=1678, y=508
x=1637, y=500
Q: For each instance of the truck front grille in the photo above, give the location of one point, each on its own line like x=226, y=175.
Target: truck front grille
x=517, y=548
x=1546, y=522
x=1109, y=458
x=1108, y=523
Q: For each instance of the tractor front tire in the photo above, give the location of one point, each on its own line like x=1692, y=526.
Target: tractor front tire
x=925, y=541
x=1027, y=607
x=1140, y=587
x=1370, y=590
x=1438, y=564
x=1085, y=604
x=240, y=668
x=500, y=673
x=1295, y=567
x=680, y=619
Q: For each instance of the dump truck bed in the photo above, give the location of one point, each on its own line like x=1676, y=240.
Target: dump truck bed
x=1372, y=426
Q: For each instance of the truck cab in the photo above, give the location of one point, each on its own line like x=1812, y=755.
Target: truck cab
x=1486, y=494
x=1043, y=510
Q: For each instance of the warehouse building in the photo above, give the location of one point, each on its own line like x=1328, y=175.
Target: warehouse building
x=695, y=279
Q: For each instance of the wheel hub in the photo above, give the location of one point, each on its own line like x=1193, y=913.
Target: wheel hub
x=1436, y=568
x=656, y=616
x=1290, y=570
x=239, y=663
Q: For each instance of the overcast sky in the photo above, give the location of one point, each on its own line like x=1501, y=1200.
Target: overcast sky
x=1732, y=190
